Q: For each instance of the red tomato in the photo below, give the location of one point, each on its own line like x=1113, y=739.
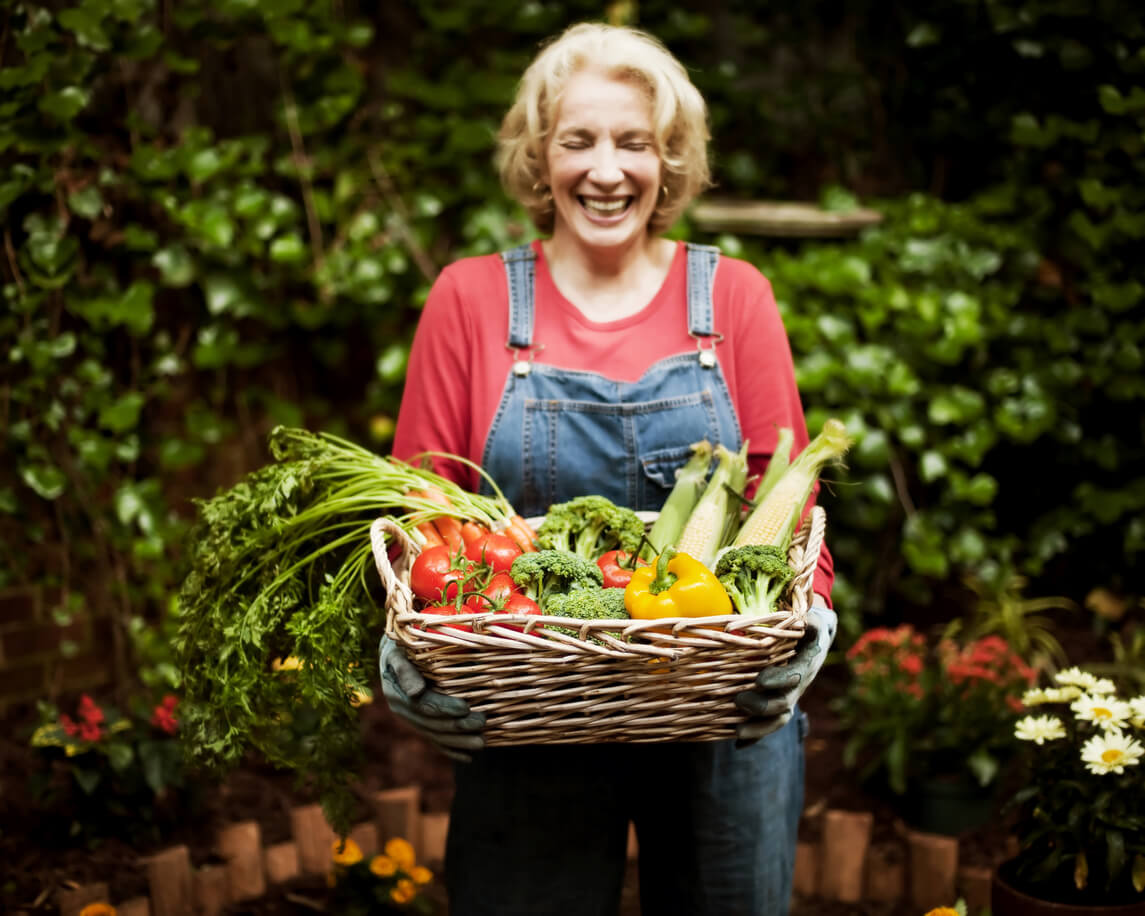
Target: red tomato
x=497, y=551
x=492, y=596
x=434, y=573
x=617, y=568
x=450, y=610
x=518, y=603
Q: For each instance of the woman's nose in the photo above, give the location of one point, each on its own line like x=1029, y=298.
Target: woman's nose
x=606, y=165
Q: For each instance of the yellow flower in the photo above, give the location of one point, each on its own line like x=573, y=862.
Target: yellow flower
x=401, y=852
x=383, y=866
x=1111, y=753
x=290, y=663
x=1039, y=729
x=404, y=891
x=361, y=698
x=421, y=874
x=943, y=911
x=348, y=854
x=98, y=909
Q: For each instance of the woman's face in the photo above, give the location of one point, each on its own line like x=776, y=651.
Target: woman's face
x=604, y=168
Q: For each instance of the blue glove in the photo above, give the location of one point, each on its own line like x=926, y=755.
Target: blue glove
x=446, y=721
x=771, y=702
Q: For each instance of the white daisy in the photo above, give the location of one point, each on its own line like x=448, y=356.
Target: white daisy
x=1103, y=686
x=1061, y=694
x=1039, y=729
x=1035, y=696
x=1137, y=704
x=1111, y=753
x=1076, y=677
x=1104, y=711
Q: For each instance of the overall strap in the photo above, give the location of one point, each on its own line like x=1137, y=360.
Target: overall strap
x=520, y=271
x=702, y=262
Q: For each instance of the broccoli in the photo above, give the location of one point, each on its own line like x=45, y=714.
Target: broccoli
x=754, y=577
x=590, y=526
x=589, y=604
x=544, y=573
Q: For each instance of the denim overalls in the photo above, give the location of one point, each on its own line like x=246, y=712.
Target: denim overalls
x=542, y=829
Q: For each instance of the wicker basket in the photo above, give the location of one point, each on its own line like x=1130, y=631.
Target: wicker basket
x=672, y=679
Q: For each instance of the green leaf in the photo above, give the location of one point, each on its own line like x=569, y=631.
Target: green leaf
x=932, y=466
x=175, y=265
x=288, y=249
x=204, y=164
x=87, y=202
x=87, y=780
x=64, y=104
x=119, y=755
x=391, y=365
x=123, y=413
x=85, y=24
x=923, y=35
x=46, y=480
x=151, y=757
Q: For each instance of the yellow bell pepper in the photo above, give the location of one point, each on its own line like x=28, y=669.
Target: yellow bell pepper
x=675, y=585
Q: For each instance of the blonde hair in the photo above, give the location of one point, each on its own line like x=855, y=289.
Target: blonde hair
x=679, y=116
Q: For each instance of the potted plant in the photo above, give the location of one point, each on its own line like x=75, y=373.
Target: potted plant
x=1081, y=809
x=933, y=724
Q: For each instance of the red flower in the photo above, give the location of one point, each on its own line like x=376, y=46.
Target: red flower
x=163, y=717
x=911, y=664
x=69, y=726
x=89, y=711
x=90, y=731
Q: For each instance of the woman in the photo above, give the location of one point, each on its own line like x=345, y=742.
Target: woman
x=588, y=362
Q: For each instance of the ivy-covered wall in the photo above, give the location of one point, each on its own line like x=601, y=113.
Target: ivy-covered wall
x=221, y=215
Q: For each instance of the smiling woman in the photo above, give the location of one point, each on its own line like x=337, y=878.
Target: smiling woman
x=591, y=362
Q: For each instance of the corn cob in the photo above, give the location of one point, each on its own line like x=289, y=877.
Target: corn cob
x=712, y=522
x=779, y=463
x=690, y=480
x=776, y=514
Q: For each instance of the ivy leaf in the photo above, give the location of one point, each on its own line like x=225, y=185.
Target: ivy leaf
x=86, y=26
x=64, y=104
x=175, y=265
x=87, y=202
x=87, y=780
x=46, y=480
x=123, y=413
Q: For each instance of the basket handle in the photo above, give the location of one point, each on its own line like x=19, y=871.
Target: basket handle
x=803, y=556
x=395, y=573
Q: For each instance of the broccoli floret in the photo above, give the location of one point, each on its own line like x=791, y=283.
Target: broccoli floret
x=754, y=577
x=544, y=573
x=588, y=604
x=590, y=526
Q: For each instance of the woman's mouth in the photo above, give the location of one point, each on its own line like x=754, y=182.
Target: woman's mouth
x=609, y=207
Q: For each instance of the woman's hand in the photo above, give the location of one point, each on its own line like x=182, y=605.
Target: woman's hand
x=771, y=702
x=446, y=721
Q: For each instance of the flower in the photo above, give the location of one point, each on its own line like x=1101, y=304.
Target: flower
x=404, y=891
x=1079, y=791
x=1104, y=711
x=914, y=711
x=346, y=852
x=401, y=852
x=421, y=874
x=98, y=909
x=1039, y=729
x=943, y=911
x=1110, y=753
x=1137, y=710
x=163, y=718
x=383, y=866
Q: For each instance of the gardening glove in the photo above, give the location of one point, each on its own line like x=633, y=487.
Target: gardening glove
x=446, y=721
x=771, y=702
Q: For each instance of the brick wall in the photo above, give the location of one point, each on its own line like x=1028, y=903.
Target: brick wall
x=39, y=657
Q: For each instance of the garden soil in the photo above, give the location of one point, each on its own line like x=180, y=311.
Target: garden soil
x=36, y=861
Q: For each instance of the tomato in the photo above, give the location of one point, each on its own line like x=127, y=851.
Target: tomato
x=450, y=610
x=497, y=551
x=518, y=603
x=434, y=573
x=617, y=567
x=492, y=595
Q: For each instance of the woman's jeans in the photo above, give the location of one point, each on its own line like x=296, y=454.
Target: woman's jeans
x=543, y=829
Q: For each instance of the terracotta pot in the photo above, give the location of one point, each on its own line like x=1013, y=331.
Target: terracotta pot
x=1007, y=900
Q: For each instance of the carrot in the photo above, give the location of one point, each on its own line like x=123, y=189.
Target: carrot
x=472, y=531
x=450, y=530
x=429, y=532
x=518, y=529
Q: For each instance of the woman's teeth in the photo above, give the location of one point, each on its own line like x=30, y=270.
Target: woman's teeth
x=605, y=206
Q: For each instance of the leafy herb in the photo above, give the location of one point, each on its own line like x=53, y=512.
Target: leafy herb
x=281, y=567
